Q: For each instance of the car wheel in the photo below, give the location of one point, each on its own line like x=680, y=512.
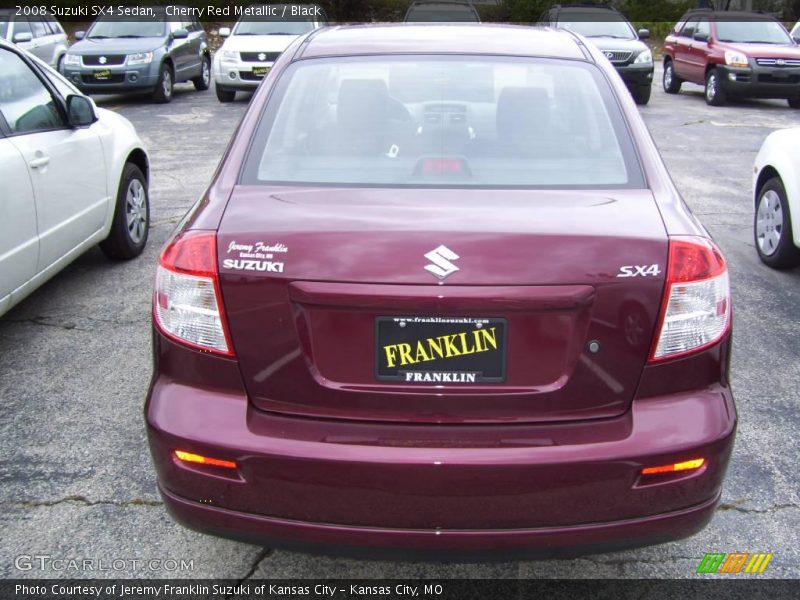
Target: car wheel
x=794, y=102
x=163, y=91
x=715, y=95
x=672, y=83
x=224, y=95
x=773, y=227
x=131, y=223
x=642, y=95
x=202, y=81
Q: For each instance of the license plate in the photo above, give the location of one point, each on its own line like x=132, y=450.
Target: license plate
x=440, y=350
x=102, y=75
x=260, y=71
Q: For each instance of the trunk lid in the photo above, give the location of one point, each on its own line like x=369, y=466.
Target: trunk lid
x=317, y=284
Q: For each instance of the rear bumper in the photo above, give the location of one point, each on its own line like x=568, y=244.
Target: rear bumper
x=556, y=489
x=545, y=542
x=761, y=82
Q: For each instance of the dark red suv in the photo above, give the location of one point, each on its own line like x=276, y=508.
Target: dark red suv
x=443, y=296
x=733, y=55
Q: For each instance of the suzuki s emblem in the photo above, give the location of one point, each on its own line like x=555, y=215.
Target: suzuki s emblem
x=103, y=60
x=780, y=62
x=262, y=57
x=441, y=257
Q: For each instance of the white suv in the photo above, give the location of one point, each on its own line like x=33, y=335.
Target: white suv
x=255, y=43
x=71, y=176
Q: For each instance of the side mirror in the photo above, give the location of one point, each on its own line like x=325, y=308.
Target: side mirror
x=80, y=111
x=79, y=35
x=644, y=34
x=180, y=34
x=22, y=37
x=700, y=36
x=224, y=31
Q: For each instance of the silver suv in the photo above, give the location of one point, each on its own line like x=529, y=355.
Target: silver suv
x=41, y=35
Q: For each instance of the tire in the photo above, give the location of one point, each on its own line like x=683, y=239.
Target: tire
x=642, y=95
x=131, y=224
x=772, y=227
x=164, y=88
x=203, y=81
x=672, y=83
x=224, y=95
x=794, y=102
x=60, y=64
x=715, y=94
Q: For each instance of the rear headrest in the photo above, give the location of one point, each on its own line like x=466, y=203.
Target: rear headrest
x=363, y=103
x=522, y=111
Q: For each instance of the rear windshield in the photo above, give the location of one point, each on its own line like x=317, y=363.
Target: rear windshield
x=755, y=32
x=107, y=28
x=450, y=121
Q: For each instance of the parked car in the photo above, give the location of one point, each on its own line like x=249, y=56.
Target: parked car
x=734, y=55
x=42, y=35
x=386, y=304
x=71, y=176
x=252, y=47
x=776, y=191
x=796, y=32
x=441, y=11
x=613, y=34
x=117, y=56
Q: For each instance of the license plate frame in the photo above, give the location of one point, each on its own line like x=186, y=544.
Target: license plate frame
x=260, y=71
x=477, y=363
x=102, y=75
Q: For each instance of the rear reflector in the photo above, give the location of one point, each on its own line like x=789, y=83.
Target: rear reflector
x=204, y=460
x=696, y=308
x=187, y=304
x=687, y=465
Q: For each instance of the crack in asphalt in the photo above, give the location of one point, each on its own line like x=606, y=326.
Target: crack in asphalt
x=627, y=561
x=71, y=326
x=263, y=553
x=76, y=499
x=760, y=511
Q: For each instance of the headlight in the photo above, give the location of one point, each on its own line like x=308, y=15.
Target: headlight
x=230, y=55
x=72, y=60
x=645, y=57
x=736, y=59
x=141, y=58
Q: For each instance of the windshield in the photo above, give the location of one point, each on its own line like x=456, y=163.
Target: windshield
x=453, y=14
x=298, y=27
x=106, y=28
x=449, y=121
x=754, y=32
x=589, y=26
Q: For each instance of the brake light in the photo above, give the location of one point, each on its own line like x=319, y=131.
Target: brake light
x=696, y=309
x=187, y=304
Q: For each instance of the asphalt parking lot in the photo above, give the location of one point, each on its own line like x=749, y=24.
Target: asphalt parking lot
x=77, y=482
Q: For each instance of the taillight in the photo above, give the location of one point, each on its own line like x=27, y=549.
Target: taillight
x=696, y=309
x=188, y=305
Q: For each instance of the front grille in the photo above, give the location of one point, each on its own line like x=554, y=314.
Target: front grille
x=778, y=62
x=250, y=76
x=111, y=59
x=768, y=78
x=618, y=57
x=259, y=56
x=114, y=78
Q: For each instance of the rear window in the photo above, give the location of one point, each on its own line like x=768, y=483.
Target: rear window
x=449, y=121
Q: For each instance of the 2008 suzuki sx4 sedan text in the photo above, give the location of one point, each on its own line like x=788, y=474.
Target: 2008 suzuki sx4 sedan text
x=442, y=298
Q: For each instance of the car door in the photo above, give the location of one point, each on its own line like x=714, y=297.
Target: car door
x=19, y=242
x=197, y=44
x=43, y=43
x=683, y=49
x=181, y=52
x=66, y=166
x=698, y=51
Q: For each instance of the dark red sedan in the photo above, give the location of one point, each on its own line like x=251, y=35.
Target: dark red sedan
x=442, y=297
